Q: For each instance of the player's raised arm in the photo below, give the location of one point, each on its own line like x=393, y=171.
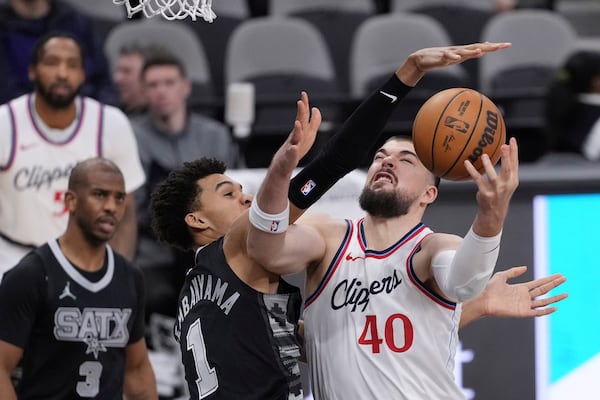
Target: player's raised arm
x=271, y=242
x=350, y=146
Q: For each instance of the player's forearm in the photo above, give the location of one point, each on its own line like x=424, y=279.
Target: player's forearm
x=472, y=310
x=7, y=392
x=462, y=274
x=489, y=223
x=408, y=73
x=140, y=383
x=272, y=195
x=348, y=148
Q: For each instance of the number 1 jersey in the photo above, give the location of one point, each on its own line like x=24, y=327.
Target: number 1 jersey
x=237, y=343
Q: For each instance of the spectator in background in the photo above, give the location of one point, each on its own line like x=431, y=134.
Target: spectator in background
x=127, y=78
x=43, y=135
x=168, y=134
x=23, y=22
x=573, y=106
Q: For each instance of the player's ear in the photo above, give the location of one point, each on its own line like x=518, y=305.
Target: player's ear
x=70, y=200
x=431, y=193
x=195, y=220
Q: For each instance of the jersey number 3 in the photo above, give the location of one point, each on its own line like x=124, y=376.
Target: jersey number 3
x=370, y=335
x=207, y=381
x=91, y=370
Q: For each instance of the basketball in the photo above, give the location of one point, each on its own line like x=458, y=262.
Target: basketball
x=455, y=125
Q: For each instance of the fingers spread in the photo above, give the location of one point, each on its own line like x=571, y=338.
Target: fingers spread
x=515, y=272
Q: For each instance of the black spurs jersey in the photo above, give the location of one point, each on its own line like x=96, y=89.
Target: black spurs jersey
x=237, y=343
x=73, y=326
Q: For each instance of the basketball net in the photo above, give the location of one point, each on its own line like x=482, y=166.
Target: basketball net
x=171, y=9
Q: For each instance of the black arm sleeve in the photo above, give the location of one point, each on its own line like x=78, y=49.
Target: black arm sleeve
x=346, y=150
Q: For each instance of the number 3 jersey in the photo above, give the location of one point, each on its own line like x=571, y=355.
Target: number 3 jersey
x=237, y=343
x=374, y=331
x=73, y=326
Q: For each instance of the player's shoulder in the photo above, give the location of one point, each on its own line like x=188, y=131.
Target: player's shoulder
x=326, y=224
x=319, y=218
x=111, y=113
x=436, y=241
x=30, y=268
x=14, y=104
x=5, y=117
x=122, y=262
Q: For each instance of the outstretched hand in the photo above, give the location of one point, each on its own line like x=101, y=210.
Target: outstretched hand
x=494, y=191
x=421, y=61
x=301, y=138
x=520, y=300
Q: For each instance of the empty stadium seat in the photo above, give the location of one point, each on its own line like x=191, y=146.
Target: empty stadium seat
x=280, y=56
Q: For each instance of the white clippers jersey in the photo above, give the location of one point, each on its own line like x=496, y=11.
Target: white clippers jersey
x=35, y=163
x=372, y=329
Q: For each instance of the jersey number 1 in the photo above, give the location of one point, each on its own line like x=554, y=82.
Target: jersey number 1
x=207, y=381
x=370, y=335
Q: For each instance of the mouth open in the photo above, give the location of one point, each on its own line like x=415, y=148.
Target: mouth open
x=384, y=177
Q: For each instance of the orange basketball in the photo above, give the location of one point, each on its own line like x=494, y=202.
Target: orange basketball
x=455, y=125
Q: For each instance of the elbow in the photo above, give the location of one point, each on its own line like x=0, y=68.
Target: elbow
x=465, y=290
x=261, y=251
x=470, y=291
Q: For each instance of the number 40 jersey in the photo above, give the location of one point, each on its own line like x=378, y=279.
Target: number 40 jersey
x=374, y=331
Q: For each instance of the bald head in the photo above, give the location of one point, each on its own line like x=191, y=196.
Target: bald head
x=81, y=173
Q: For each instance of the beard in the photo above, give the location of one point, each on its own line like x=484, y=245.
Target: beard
x=55, y=101
x=384, y=204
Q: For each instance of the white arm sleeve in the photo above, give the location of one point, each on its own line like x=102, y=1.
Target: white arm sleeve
x=463, y=273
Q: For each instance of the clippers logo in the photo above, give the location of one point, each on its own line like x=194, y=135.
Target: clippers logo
x=308, y=187
x=456, y=124
x=274, y=226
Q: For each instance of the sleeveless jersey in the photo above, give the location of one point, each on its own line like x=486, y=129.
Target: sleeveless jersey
x=237, y=343
x=374, y=331
x=36, y=170
x=78, y=329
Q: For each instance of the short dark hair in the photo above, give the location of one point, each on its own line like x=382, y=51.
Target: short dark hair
x=176, y=196
x=79, y=176
x=146, y=50
x=163, y=57
x=38, y=49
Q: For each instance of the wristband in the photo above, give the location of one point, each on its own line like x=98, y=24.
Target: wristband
x=270, y=223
